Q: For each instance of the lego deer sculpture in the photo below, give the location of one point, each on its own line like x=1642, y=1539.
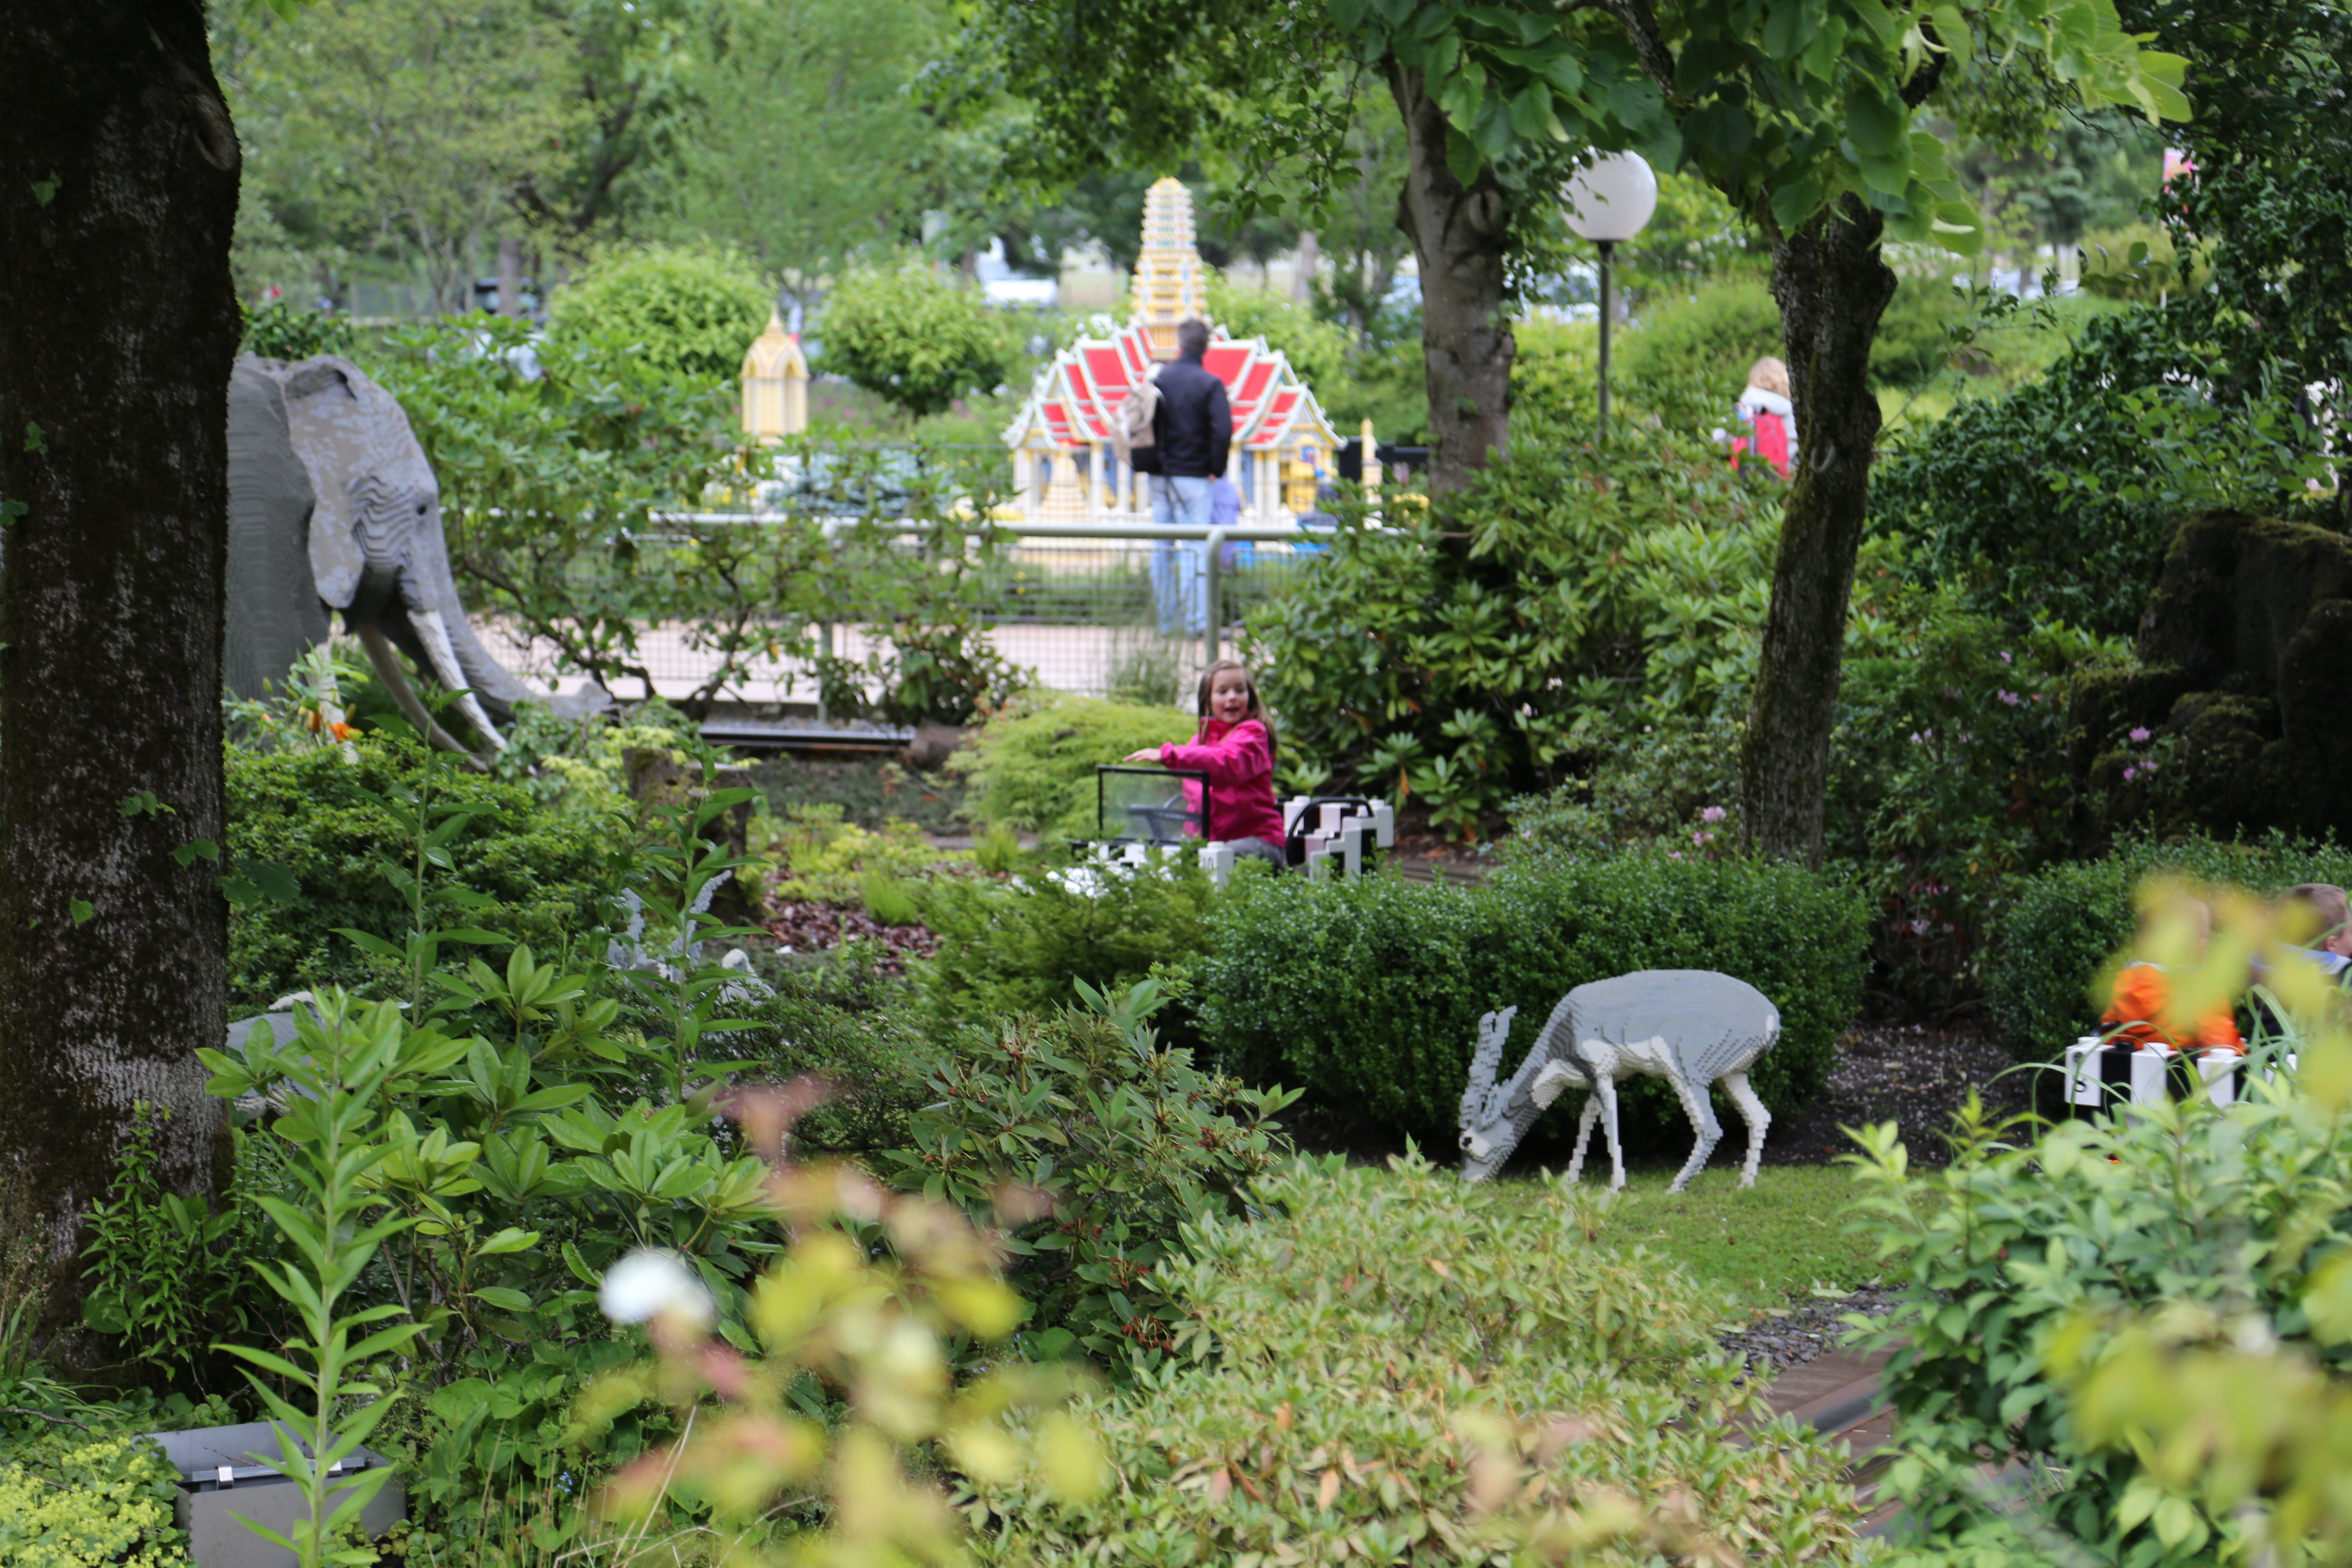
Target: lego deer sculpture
x=1691, y=1027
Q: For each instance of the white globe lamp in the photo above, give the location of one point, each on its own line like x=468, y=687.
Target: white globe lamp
x=1609, y=201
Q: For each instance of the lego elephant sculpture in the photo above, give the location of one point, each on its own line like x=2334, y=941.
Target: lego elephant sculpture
x=334, y=506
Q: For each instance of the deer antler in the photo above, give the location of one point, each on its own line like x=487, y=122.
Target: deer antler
x=1484, y=1063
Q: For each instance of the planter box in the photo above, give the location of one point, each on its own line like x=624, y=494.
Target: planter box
x=226, y=1470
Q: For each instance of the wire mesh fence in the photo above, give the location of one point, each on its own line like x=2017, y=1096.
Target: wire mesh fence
x=1123, y=618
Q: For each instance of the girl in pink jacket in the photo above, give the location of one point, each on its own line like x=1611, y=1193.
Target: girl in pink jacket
x=1235, y=747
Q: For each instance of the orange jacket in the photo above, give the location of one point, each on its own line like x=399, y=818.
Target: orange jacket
x=2143, y=993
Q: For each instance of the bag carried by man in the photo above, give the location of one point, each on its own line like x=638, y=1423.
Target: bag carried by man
x=1131, y=433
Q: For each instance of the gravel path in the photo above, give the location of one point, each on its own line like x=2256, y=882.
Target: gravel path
x=1906, y=1073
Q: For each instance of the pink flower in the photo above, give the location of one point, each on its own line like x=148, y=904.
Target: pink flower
x=1921, y=928
x=2130, y=774
x=1701, y=838
x=1711, y=814
x=2147, y=767
x=2139, y=736
x=2004, y=658
x=2010, y=698
x=1673, y=854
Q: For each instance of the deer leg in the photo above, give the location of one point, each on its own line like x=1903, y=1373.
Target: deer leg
x=1702, y=1115
x=1583, y=1135
x=1605, y=1088
x=1752, y=1111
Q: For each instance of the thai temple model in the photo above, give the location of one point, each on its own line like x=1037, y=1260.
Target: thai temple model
x=1283, y=442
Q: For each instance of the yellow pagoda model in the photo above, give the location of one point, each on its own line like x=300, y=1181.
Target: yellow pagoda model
x=1169, y=284
x=775, y=385
x=1282, y=444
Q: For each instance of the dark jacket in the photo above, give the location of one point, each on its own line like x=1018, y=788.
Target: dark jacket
x=1193, y=427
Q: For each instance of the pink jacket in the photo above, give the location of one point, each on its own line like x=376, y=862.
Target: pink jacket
x=1239, y=761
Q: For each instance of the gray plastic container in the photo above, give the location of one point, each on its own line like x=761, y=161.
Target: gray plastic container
x=255, y=1489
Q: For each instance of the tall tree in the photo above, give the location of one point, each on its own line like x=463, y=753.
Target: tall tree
x=405, y=128
x=1799, y=111
x=805, y=148
x=118, y=325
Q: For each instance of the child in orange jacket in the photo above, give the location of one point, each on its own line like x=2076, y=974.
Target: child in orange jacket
x=2137, y=1008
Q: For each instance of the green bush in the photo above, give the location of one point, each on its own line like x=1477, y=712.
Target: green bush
x=530, y=873
x=1711, y=335
x=914, y=338
x=1032, y=766
x=2055, y=500
x=283, y=330
x=1517, y=626
x=1368, y=994
x=1019, y=947
x=1415, y=1371
x=1914, y=342
x=1124, y=1139
x=2021, y=1268
x=689, y=313
x=71, y=1498
x=2063, y=924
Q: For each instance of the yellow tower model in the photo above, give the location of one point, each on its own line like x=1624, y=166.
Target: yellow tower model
x=775, y=385
x=1170, y=281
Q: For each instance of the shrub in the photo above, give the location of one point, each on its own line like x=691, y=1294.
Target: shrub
x=1368, y=992
x=1415, y=1371
x=535, y=875
x=1517, y=623
x=2055, y=500
x=689, y=313
x=1711, y=335
x=283, y=330
x=1019, y=947
x=1123, y=1138
x=2062, y=924
x=1950, y=775
x=912, y=337
x=82, y=1500
x=818, y=855
x=1032, y=766
x=2121, y=1254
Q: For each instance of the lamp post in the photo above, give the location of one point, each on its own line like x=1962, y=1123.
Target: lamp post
x=1607, y=200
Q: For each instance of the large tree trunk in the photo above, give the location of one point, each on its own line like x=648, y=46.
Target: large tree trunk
x=1459, y=234
x=1831, y=285
x=117, y=325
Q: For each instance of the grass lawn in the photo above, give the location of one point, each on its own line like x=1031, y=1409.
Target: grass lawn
x=1784, y=1237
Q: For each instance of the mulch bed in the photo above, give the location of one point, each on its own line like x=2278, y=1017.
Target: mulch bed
x=821, y=928
x=1909, y=1074
x=1804, y=1330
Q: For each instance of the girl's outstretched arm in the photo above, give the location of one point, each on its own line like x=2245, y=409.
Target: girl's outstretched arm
x=1241, y=755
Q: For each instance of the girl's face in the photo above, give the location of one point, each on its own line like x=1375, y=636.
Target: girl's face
x=1229, y=697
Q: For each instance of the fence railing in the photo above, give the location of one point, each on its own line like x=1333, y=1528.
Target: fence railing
x=1098, y=609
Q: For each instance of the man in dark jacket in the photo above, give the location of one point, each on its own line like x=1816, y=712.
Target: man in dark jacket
x=1192, y=431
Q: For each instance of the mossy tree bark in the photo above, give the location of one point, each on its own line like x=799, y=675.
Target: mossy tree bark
x=1833, y=285
x=119, y=170
x=1460, y=236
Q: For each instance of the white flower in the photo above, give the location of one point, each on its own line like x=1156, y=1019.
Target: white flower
x=649, y=1283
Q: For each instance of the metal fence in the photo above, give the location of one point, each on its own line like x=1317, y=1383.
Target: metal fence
x=1091, y=608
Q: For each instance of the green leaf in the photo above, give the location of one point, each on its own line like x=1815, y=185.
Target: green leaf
x=196, y=850
x=10, y=510
x=46, y=191
x=36, y=439
x=83, y=911
x=505, y=1299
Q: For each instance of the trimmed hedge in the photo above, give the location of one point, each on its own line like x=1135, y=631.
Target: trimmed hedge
x=2065, y=924
x=1368, y=992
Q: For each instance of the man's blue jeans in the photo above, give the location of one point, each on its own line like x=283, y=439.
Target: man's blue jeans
x=1180, y=589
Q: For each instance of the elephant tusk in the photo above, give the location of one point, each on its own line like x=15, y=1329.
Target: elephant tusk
x=387, y=665
x=435, y=632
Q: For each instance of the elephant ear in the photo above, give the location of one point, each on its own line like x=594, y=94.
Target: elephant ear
x=274, y=614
